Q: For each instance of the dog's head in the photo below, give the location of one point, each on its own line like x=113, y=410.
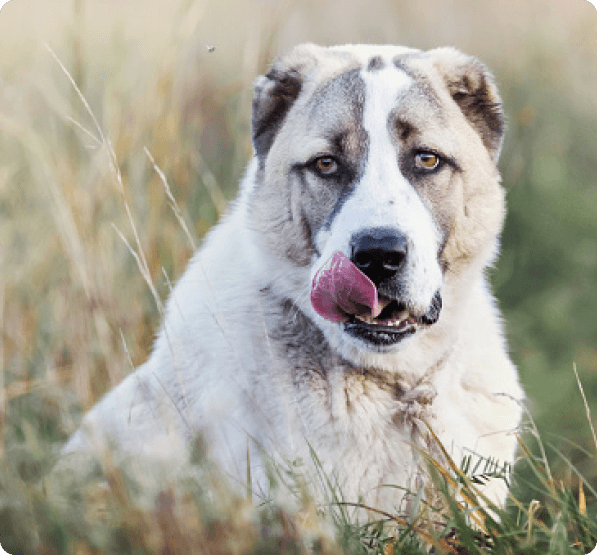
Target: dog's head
x=376, y=182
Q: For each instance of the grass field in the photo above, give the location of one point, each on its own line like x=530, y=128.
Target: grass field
x=168, y=87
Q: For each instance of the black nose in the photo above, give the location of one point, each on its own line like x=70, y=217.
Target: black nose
x=380, y=253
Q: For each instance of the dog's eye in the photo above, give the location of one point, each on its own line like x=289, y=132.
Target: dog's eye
x=427, y=161
x=326, y=165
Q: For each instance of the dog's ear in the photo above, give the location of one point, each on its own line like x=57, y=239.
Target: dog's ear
x=276, y=92
x=473, y=88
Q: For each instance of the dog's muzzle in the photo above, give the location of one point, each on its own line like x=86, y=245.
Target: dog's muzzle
x=365, y=290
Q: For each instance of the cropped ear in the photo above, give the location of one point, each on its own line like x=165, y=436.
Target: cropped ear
x=473, y=88
x=276, y=92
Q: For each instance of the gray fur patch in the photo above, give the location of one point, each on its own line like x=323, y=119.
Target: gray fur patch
x=471, y=86
x=289, y=213
x=337, y=110
x=375, y=63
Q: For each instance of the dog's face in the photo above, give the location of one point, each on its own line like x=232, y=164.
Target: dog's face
x=377, y=182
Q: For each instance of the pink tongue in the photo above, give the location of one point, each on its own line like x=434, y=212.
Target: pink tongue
x=340, y=289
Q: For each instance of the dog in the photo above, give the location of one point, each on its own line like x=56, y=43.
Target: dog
x=341, y=307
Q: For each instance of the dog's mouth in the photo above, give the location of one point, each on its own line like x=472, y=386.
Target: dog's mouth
x=394, y=323
x=341, y=292
x=394, y=315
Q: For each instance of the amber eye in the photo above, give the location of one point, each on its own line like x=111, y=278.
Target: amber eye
x=426, y=161
x=326, y=165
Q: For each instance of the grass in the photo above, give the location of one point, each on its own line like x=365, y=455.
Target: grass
x=115, y=509
x=96, y=208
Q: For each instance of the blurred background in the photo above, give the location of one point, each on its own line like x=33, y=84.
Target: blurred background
x=172, y=82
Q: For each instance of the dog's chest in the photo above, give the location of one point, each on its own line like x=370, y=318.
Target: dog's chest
x=366, y=432
x=364, y=427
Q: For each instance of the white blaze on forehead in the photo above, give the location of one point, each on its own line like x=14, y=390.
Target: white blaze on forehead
x=383, y=197
x=382, y=173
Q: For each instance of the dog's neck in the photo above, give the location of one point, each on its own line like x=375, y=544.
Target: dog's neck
x=302, y=342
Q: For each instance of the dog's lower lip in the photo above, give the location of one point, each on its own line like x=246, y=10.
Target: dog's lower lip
x=390, y=327
x=379, y=335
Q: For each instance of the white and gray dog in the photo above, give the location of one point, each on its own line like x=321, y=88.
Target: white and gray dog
x=342, y=303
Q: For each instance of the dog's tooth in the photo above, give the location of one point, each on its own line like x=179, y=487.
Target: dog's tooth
x=368, y=319
x=403, y=319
